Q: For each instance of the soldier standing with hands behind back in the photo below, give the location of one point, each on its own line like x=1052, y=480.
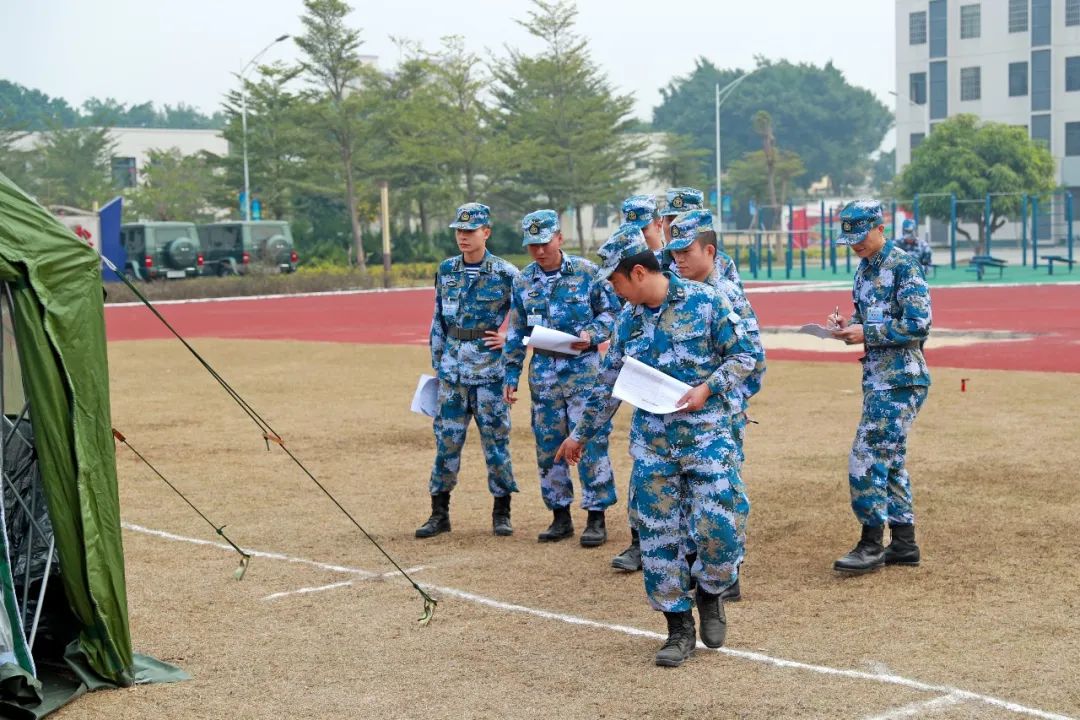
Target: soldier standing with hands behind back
x=472, y=298
x=892, y=321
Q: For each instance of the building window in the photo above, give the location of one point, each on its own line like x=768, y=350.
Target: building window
x=970, y=83
x=1040, y=129
x=124, y=174
x=917, y=88
x=1040, y=23
x=1072, y=139
x=970, y=26
x=1072, y=73
x=1018, y=79
x=1040, y=80
x=938, y=29
x=916, y=141
x=1018, y=16
x=939, y=90
x=917, y=28
x=1072, y=12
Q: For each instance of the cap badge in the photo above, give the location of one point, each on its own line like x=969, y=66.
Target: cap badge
x=631, y=215
x=675, y=231
x=847, y=227
x=677, y=202
x=534, y=229
x=464, y=217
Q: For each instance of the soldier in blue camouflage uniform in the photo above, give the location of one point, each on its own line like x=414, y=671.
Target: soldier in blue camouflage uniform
x=561, y=292
x=892, y=321
x=679, y=328
x=472, y=298
x=913, y=245
x=640, y=211
x=693, y=245
x=681, y=200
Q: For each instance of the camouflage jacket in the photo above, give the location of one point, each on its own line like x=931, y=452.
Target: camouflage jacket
x=751, y=384
x=573, y=302
x=480, y=304
x=892, y=303
x=695, y=338
x=917, y=248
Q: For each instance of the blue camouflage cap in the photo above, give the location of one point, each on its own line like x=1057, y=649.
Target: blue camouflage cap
x=639, y=210
x=471, y=216
x=680, y=200
x=686, y=226
x=538, y=227
x=626, y=242
x=857, y=218
x=908, y=226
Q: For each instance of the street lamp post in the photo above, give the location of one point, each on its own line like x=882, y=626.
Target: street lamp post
x=243, y=121
x=722, y=94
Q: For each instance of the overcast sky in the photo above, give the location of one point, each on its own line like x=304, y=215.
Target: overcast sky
x=188, y=50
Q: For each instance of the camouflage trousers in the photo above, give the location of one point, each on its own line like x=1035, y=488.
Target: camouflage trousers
x=553, y=415
x=704, y=481
x=880, y=486
x=484, y=403
x=738, y=432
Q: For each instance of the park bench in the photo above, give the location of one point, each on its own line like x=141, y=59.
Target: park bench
x=979, y=263
x=1051, y=259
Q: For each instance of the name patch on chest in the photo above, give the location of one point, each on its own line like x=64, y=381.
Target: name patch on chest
x=875, y=315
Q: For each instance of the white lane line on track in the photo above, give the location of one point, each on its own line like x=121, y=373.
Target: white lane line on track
x=761, y=658
x=919, y=709
x=346, y=583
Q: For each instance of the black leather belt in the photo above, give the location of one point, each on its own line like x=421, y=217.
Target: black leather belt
x=471, y=334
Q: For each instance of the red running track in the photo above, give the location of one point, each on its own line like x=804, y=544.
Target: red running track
x=1050, y=312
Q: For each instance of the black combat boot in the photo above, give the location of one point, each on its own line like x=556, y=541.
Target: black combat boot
x=439, y=522
x=732, y=593
x=500, y=517
x=630, y=558
x=595, y=533
x=902, y=549
x=680, y=641
x=711, y=618
x=867, y=555
x=561, y=527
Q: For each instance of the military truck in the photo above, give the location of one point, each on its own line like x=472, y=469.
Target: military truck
x=239, y=247
x=161, y=250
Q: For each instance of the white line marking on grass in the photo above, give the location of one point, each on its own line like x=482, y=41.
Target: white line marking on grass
x=918, y=709
x=234, y=298
x=884, y=678
x=346, y=583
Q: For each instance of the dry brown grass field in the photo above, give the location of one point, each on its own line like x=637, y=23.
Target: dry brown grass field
x=992, y=611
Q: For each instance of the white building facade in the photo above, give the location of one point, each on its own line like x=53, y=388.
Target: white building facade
x=1007, y=61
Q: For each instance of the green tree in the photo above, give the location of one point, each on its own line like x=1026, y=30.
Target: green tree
x=276, y=138
x=13, y=161
x=748, y=177
x=832, y=125
x=566, y=124
x=681, y=164
x=333, y=67
x=27, y=109
x=972, y=159
x=883, y=171
x=175, y=187
x=73, y=167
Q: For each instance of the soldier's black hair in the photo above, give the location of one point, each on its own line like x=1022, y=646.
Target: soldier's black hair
x=707, y=238
x=646, y=259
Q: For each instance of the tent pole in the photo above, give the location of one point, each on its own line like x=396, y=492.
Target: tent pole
x=41, y=593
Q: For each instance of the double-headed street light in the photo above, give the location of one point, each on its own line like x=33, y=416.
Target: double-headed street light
x=243, y=120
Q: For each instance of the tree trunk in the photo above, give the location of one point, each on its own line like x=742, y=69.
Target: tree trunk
x=425, y=221
x=354, y=219
x=580, y=231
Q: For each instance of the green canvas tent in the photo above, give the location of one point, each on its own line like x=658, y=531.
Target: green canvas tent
x=55, y=397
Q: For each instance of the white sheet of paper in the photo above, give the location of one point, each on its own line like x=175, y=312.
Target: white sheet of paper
x=555, y=340
x=426, y=398
x=647, y=388
x=817, y=331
